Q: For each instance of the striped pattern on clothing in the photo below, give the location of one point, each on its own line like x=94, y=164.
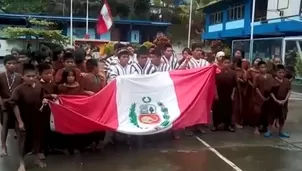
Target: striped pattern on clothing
x=196, y=63
x=163, y=67
x=173, y=62
x=132, y=59
x=112, y=60
x=135, y=68
x=117, y=70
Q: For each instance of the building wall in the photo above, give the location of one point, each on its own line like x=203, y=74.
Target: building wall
x=290, y=8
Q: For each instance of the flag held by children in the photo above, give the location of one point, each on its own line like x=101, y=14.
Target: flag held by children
x=140, y=104
x=105, y=21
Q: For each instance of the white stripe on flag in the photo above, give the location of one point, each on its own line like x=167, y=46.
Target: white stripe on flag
x=106, y=16
x=146, y=104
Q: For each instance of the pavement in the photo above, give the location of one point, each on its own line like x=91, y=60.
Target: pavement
x=213, y=151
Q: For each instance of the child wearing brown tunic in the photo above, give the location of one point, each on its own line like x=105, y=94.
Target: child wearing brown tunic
x=49, y=89
x=280, y=94
x=9, y=80
x=248, y=104
x=239, y=93
x=263, y=86
x=93, y=82
x=69, y=63
x=226, y=83
x=69, y=85
x=27, y=101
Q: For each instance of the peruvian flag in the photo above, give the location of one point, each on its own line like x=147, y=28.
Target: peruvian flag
x=105, y=21
x=140, y=104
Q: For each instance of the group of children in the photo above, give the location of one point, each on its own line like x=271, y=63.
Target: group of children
x=25, y=88
x=256, y=96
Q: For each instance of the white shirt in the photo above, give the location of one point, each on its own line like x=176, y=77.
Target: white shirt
x=149, y=68
x=117, y=70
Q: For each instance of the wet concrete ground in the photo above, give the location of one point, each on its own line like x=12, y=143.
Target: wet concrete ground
x=219, y=151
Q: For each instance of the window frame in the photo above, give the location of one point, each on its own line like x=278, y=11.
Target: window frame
x=216, y=17
x=236, y=12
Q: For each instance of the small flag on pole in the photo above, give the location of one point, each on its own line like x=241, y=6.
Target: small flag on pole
x=104, y=22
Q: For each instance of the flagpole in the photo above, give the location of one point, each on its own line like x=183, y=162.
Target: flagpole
x=190, y=23
x=71, y=22
x=252, y=31
x=87, y=15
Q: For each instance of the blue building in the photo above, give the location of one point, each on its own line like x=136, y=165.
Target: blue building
x=230, y=20
x=134, y=31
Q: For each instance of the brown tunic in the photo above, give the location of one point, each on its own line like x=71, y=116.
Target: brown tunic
x=248, y=103
x=67, y=90
x=239, y=96
x=48, y=88
x=5, y=94
x=245, y=64
x=261, y=107
x=280, y=90
x=93, y=82
x=226, y=81
x=29, y=100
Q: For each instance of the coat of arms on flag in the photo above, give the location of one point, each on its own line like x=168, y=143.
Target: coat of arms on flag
x=149, y=113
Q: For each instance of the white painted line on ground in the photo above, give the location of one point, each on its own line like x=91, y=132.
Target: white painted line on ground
x=296, y=93
x=293, y=98
x=235, y=167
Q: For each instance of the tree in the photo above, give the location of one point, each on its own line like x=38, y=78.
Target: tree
x=39, y=29
x=21, y=6
x=197, y=14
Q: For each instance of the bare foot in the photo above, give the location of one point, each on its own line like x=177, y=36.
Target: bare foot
x=22, y=168
x=39, y=163
x=239, y=126
x=256, y=131
x=3, y=152
x=41, y=156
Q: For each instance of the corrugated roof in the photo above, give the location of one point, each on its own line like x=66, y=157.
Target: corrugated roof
x=210, y=4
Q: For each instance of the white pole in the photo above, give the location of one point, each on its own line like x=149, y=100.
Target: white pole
x=283, y=50
x=71, y=22
x=252, y=32
x=190, y=23
x=87, y=15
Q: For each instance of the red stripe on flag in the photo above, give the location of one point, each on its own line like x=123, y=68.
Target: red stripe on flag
x=87, y=114
x=195, y=90
x=101, y=26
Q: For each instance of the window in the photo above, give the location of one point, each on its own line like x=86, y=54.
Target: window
x=216, y=17
x=236, y=12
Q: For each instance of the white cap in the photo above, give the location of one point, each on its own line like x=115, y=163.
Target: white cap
x=220, y=54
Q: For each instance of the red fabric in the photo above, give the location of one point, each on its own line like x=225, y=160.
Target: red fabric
x=81, y=114
x=195, y=90
x=101, y=26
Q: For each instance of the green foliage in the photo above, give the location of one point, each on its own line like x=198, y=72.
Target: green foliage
x=133, y=116
x=24, y=6
x=40, y=30
x=298, y=65
x=109, y=48
x=147, y=44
